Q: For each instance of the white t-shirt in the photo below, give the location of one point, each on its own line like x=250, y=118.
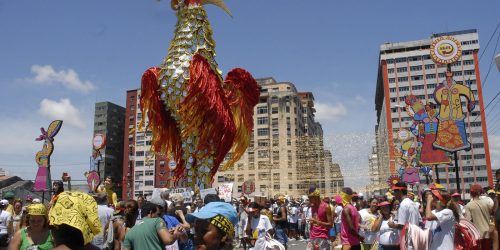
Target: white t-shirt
x=259, y=226
x=408, y=213
x=388, y=236
x=293, y=216
x=5, y=219
x=367, y=220
x=307, y=212
x=338, y=212
x=442, y=229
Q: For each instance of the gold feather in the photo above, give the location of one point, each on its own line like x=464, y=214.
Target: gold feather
x=219, y=3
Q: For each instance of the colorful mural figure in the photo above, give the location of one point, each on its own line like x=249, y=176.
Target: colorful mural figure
x=93, y=178
x=424, y=127
x=451, y=134
x=43, y=181
x=195, y=115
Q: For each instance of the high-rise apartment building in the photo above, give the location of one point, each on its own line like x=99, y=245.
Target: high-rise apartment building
x=142, y=170
x=109, y=120
x=286, y=152
x=374, y=171
x=407, y=68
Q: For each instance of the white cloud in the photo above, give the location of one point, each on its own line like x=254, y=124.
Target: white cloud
x=45, y=74
x=62, y=110
x=360, y=99
x=326, y=112
x=494, y=142
x=72, y=147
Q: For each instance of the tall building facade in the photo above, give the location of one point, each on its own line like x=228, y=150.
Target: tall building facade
x=376, y=181
x=407, y=68
x=142, y=170
x=109, y=120
x=286, y=153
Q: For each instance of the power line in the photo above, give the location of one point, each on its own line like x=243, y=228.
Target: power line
x=487, y=44
x=492, y=60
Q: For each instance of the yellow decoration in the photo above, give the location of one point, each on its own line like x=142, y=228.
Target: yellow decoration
x=37, y=209
x=78, y=210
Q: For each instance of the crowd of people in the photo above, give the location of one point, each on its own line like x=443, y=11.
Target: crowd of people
x=400, y=219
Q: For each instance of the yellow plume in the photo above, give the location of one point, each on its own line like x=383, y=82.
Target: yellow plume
x=219, y=3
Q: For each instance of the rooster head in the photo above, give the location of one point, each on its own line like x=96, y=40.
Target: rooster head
x=175, y=4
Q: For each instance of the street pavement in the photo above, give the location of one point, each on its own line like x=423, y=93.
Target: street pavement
x=294, y=245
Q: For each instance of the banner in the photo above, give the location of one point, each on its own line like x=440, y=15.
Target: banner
x=226, y=191
x=204, y=192
x=186, y=192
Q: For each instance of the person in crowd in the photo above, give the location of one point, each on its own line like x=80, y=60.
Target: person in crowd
x=210, y=198
x=368, y=216
x=281, y=221
x=349, y=232
x=122, y=223
x=214, y=226
x=151, y=233
x=180, y=211
x=10, y=197
x=175, y=227
x=198, y=204
x=388, y=238
x=456, y=198
x=18, y=215
x=407, y=212
x=355, y=201
x=57, y=188
x=307, y=214
x=337, y=215
x=140, y=201
x=108, y=189
x=478, y=211
x=165, y=195
x=5, y=224
x=36, y=234
x=105, y=213
x=266, y=210
x=293, y=219
x=442, y=219
x=73, y=221
x=258, y=225
x=242, y=216
x=321, y=220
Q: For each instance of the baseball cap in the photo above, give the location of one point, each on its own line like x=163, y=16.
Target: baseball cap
x=253, y=207
x=213, y=209
x=455, y=194
x=491, y=191
x=8, y=195
x=383, y=203
x=4, y=202
x=36, y=200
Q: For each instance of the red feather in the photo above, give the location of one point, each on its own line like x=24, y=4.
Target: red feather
x=206, y=112
x=166, y=137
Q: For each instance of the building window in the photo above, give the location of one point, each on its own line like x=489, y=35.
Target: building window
x=274, y=110
x=417, y=87
x=263, y=131
x=262, y=120
x=392, y=80
x=390, y=71
x=403, y=79
x=139, y=163
x=148, y=183
x=262, y=110
x=149, y=172
x=415, y=68
x=430, y=66
x=139, y=153
x=430, y=76
x=404, y=88
x=402, y=69
x=416, y=78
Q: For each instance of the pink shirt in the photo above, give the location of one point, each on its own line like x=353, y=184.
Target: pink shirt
x=319, y=213
x=346, y=237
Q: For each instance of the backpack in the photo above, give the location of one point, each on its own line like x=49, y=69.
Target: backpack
x=466, y=235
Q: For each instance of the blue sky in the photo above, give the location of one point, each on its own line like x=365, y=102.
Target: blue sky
x=57, y=58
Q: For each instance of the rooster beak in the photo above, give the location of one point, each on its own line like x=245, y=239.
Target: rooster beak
x=219, y=3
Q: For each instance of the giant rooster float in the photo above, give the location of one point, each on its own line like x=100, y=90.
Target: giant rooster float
x=196, y=116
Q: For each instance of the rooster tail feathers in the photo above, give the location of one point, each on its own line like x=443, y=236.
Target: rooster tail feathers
x=166, y=140
x=206, y=113
x=242, y=93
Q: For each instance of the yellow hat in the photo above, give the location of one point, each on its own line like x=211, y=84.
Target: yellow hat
x=37, y=209
x=78, y=210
